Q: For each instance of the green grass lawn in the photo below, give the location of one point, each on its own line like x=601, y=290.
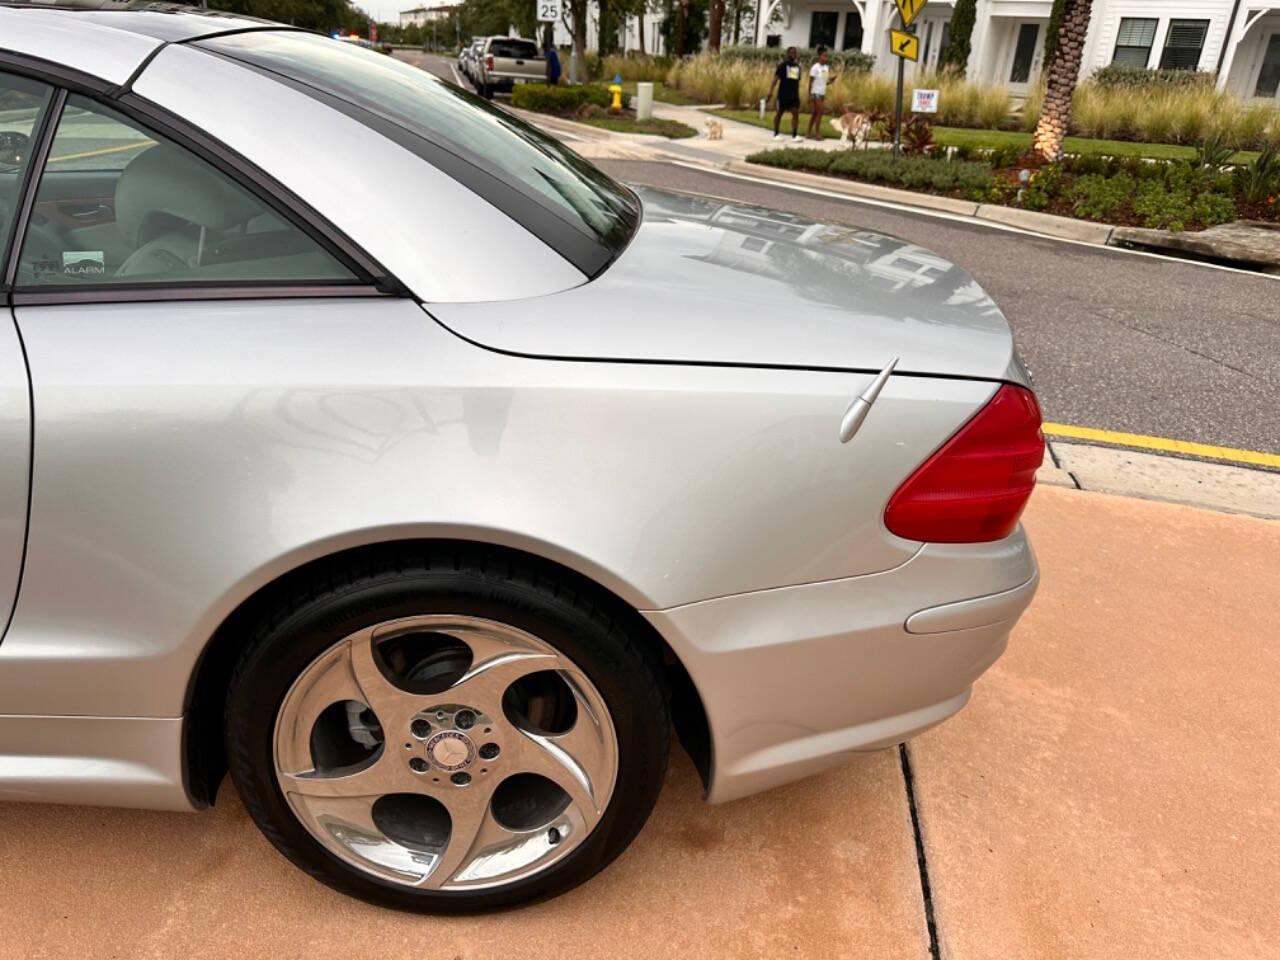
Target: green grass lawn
x=672, y=129
x=665, y=94
x=753, y=117
x=960, y=136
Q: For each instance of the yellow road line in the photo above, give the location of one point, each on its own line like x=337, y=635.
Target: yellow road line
x=105, y=150
x=1255, y=457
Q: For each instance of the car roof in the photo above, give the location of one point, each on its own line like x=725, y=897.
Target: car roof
x=110, y=39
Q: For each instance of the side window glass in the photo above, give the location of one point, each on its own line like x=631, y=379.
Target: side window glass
x=22, y=106
x=118, y=204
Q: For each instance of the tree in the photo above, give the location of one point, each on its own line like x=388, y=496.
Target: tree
x=955, y=56
x=739, y=9
x=577, y=11
x=613, y=17
x=1051, y=31
x=715, y=25
x=326, y=15
x=1064, y=69
x=683, y=26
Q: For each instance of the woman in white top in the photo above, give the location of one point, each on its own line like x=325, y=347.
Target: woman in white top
x=819, y=74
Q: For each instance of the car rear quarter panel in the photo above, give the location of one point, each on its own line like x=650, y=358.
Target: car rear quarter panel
x=188, y=454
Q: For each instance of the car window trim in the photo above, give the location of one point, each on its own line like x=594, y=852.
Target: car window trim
x=31, y=182
x=151, y=293
x=368, y=273
x=577, y=244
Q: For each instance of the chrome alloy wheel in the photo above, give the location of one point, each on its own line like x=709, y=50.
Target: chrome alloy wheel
x=445, y=752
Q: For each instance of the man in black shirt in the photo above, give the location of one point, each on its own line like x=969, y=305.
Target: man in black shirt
x=787, y=79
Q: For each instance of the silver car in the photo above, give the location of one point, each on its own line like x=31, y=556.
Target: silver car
x=432, y=552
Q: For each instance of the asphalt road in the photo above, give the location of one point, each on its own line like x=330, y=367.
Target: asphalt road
x=1114, y=340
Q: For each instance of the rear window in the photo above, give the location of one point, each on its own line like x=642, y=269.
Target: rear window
x=515, y=49
x=562, y=199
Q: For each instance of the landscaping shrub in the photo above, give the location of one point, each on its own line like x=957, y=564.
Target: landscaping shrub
x=1214, y=152
x=955, y=55
x=1256, y=181
x=973, y=178
x=1122, y=75
x=841, y=60
x=1161, y=207
x=795, y=158
x=1169, y=114
x=743, y=82
x=1043, y=187
x=968, y=176
x=1212, y=207
x=1096, y=197
x=563, y=100
x=635, y=67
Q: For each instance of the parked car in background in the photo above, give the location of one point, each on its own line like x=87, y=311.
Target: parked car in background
x=467, y=59
x=432, y=552
x=505, y=61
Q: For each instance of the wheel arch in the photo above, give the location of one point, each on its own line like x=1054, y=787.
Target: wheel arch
x=204, y=754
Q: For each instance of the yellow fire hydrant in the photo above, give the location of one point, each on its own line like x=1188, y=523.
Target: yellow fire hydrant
x=616, y=89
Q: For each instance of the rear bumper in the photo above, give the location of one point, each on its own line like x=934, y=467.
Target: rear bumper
x=795, y=679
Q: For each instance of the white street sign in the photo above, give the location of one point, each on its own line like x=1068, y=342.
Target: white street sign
x=924, y=101
x=548, y=10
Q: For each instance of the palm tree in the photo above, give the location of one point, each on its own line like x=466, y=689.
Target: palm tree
x=1064, y=68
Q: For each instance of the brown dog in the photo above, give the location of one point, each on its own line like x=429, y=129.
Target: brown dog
x=715, y=129
x=853, y=127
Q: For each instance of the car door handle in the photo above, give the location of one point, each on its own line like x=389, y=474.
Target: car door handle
x=861, y=406
x=87, y=213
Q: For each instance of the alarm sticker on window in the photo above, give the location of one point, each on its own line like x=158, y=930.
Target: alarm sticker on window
x=83, y=263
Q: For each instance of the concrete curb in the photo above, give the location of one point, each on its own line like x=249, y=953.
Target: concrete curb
x=1047, y=223
x=854, y=188
x=1063, y=228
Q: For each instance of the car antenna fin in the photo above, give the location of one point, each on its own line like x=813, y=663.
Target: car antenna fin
x=861, y=406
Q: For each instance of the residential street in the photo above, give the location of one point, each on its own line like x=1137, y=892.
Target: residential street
x=1107, y=793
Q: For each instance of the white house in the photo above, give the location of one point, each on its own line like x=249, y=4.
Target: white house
x=1239, y=40
x=628, y=33
x=420, y=16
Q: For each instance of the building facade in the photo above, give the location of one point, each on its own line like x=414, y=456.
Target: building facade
x=630, y=33
x=420, y=16
x=1238, y=40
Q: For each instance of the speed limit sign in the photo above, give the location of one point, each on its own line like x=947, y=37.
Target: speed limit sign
x=548, y=10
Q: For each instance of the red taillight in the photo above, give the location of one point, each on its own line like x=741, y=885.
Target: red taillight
x=488, y=62
x=975, y=485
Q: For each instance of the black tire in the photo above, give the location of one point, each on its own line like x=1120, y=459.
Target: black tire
x=486, y=91
x=577, y=620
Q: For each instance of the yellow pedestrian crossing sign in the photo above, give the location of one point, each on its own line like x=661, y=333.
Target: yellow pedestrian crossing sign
x=909, y=10
x=905, y=45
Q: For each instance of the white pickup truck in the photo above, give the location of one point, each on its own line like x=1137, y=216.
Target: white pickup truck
x=505, y=61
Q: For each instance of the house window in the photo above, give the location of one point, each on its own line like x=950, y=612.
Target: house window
x=852, y=31
x=1134, y=40
x=773, y=40
x=1183, y=44
x=1269, y=75
x=822, y=28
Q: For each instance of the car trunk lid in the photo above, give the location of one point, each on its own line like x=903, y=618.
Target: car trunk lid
x=712, y=282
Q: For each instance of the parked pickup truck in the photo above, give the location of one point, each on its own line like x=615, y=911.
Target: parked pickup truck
x=505, y=61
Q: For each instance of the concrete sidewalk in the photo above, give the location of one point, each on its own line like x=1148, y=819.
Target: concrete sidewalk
x=1110, y=792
